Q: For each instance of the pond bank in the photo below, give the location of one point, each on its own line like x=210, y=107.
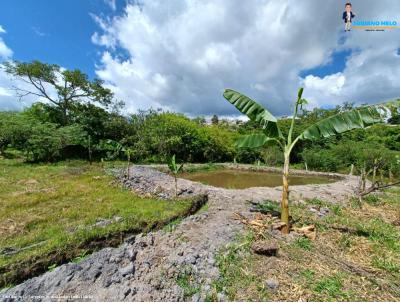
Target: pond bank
x=159, y=265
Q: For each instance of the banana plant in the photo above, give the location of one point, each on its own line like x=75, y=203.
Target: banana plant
x=175, y=169
x=342, y=122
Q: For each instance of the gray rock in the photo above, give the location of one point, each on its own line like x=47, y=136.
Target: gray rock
x=127, y=270
x=101, y=222
x=93, y=274
x=272, y=284
x=196, y=298
x=190, y=259
x=132, y=255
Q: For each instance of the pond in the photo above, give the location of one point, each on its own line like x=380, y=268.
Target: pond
x=239, y=179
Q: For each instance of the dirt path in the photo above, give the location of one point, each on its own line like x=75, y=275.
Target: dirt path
x=146, y=267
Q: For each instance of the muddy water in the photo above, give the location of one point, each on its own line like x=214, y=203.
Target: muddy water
x=235, y=179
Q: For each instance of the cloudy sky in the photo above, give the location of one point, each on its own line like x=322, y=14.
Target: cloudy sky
x=180, y=54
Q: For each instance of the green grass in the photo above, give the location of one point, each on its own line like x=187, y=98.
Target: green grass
x=331, y=287
x=372, y=199
x=184, y=280
x=303, y=243
x=170, y=227
x=269, y=206
x=235, y=263
x=189, y=168
x=49, y=211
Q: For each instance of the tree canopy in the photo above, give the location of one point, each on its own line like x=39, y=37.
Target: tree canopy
x=62, y=88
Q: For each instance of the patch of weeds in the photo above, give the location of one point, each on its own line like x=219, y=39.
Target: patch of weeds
x=345, y=241
x=372, y=199
x=209, y=298
x=204, y=208
x=308, y=275
x=268, y=206
x=381, y=232
x=355, y=203
x=7, y=286
x=52, y=267
x=332, y=286
x=385, y=264
x=203, y=167
x=185, y=281
x=303, y=243
x=235, y=265
x=316, y=202
x=336, y=209
x=81, y=257
x=170, y=227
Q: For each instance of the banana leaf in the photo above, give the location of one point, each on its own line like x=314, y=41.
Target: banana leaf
x=254, y=111
x=253, y=141
x=345, y=121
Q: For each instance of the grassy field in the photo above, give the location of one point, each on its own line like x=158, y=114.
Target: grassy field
x=49, y=214
x=355, y=257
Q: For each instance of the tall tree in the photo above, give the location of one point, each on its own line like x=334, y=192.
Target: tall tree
x=60, y=87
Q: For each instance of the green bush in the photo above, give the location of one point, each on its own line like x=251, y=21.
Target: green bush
x=47, y=141
x=157, y=136
x=321, y=160
x=273, y=156
x=358, y=153
x=154, y=136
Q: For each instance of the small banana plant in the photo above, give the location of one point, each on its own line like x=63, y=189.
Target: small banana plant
x=175, y=170
x=270, y=132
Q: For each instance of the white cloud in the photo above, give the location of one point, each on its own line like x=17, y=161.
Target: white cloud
x=8, y=100
x=183, y=53
x=369, y=77
x=112, y=4
x=5, y=52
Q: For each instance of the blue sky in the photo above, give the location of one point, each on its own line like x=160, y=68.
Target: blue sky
x=336, y=64
x=60, y=32
x=179, y=55
x=56, y=31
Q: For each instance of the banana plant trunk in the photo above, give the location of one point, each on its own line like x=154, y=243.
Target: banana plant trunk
x=285, y=196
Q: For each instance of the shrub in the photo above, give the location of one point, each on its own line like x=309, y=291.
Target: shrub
x=320, y=160
x=47, y=141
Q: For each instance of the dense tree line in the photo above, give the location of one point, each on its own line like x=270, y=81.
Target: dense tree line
x=82, y=120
